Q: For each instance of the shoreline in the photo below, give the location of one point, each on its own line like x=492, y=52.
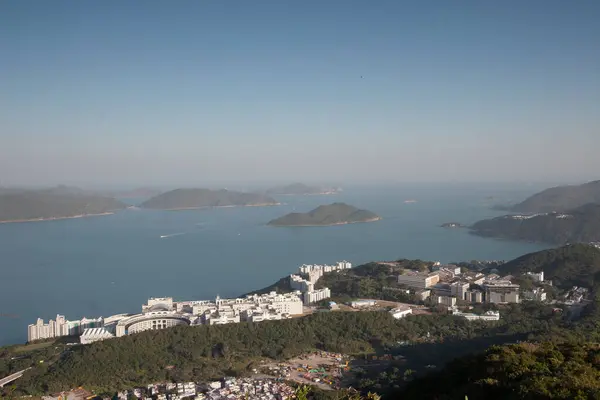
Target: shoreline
x=334, y=224
x=18, y=221
x=204, y=207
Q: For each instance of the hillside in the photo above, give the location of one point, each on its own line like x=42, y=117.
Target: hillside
x=301, y=189
x=53, y=204
x=579, y=225
x=518, y=371
x=560, y=198
x=199, y=198
x=332, y=214
x=567, y=266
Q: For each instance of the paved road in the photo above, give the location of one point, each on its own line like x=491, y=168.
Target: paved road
x=13, y=377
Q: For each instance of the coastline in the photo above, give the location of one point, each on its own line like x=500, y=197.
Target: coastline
x=204, y=207
x=17, y=221
x=334, y=224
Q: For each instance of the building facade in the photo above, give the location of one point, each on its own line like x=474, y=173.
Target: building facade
x=418, y=280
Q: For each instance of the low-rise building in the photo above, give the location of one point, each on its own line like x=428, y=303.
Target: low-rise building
x=418, y=279
x=487, y=316
x=401, y=312
x=363, y=303
x=446, y=300
x=92, y=335
x=422, y=295
x=536, y=294
x=537, y=276
x=501, y=292
x=459, y=289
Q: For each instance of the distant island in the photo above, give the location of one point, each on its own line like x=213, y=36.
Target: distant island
x=300, y=189
x=136, y=193
x=452, y=225
x=560, y=198
x=181, y=199
x=581, y=224
x=54, y=203
x=326, y=215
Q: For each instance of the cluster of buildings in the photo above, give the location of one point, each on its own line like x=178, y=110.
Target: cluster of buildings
x=575, y=295
x=162, y=313
x=486, y=316
x=308, y=275
x=447, y=284
x=61, y=327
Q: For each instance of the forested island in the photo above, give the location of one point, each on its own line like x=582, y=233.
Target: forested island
x=54, y=203
x=300, y=189
x=581, y=224
x=181, y=199
x=555, y=359
x=326, y=215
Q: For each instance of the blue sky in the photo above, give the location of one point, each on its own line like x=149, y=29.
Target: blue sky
x=199, y=93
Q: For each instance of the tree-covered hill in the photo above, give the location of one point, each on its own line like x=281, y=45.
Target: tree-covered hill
x=50, y=204
x=577, y=225
x=332, y=214
x=518, y=371
x=560, y=198
x=198, y=198
x=566, y=266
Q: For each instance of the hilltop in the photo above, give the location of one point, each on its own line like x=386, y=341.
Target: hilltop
x=518, y=371
x=302, y=189
x=198, y=198
x=47, y=204
x=567, y=266
x=560, y=198
x=332, y=214
x=579, y=225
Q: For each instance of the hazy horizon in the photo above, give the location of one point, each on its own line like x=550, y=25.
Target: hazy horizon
x=208, y=94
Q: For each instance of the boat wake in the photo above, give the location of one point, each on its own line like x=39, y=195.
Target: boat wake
x=172, y=234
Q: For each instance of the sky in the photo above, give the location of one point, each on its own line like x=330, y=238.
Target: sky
x=199, y=93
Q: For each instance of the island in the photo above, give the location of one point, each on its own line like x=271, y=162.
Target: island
x=52, y=204
x=581, y=224
x=453, y=225
x=560, y=198
x=182, y=199
x=300, y=189
x=327, y=215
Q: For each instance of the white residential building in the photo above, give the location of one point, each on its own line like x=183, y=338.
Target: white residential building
x=537, y=276
x=317, y=295
x=301, y=284
x=537, y=294
x=60, y=327
x=446, y=300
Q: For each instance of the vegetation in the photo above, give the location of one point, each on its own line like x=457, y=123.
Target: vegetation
x=560, y=198
x=53, y=203
x=567, y=266
x=580, y=225
x=301, y=189
x=209, y=352
x=198, y=198
x=519, y=371
x=332, y=214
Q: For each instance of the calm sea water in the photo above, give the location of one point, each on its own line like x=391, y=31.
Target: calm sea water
x=100, y=266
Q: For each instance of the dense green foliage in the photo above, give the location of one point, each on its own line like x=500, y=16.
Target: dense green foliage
x=561, y=198
x=332, y=214
x=581, y=225
x=566, y=266
x=208, y=352
x=519, y=371
x=300, y=189
x=197, y=198
x=51, y=203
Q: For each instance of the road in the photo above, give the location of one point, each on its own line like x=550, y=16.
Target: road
x=13, y=377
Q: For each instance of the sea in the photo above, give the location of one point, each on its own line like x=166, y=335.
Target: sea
x=105, y=265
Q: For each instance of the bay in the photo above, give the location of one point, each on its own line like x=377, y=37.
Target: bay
x=99, y=266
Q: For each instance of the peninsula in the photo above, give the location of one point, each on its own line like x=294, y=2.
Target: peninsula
x=181, y=199
x=52, y=204
x=300, y=189
x=560, y=198
x=332, y=214
x=581, y=224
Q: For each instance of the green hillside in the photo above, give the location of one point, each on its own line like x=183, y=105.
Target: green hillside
x=332, y=214
x=560, y=198
x=198, y=198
